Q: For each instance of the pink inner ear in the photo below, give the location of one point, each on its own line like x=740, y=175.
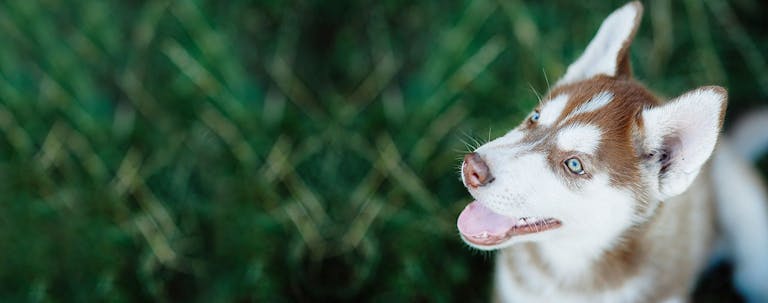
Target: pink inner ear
x=671, y=150
x=687, y=128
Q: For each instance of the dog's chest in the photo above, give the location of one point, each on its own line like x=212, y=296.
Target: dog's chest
x=541, y=289
x=522, y=276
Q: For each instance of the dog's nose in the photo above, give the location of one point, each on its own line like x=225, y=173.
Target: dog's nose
x=476, y=172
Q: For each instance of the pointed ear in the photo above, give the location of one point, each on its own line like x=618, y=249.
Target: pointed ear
x=681, y=136
x=608, y=52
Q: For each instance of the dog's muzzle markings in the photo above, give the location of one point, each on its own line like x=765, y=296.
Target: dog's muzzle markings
x=480, y=225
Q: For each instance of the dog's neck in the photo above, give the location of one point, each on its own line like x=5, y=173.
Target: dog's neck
x=572, y=259
x=589, y=262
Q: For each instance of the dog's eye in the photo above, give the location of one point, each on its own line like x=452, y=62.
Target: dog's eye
x=574, y=165
x=535, y=116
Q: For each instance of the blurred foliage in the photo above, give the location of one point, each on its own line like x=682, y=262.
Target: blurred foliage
x=221, y=151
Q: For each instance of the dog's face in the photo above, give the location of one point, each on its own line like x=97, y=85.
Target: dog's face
x=596, y=157
x=570, y=167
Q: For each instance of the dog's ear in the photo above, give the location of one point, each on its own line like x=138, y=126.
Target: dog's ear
x=608, y=52
x=680, y=136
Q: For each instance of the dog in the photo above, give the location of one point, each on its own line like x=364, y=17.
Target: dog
x=606, y=194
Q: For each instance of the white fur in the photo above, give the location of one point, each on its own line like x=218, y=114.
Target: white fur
x=584, y=138
x=584, y=238
x=601, y=55
x=508, y=168
x=597, y=101
x=552, y=110
x=694, y=119
x=509, y=140
x=504, y=283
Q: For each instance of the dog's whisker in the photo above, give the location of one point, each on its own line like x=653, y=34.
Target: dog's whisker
x=467, y=146
x=546, y=79
x=535, y=92
x=477, y=143
x=489, y=135
x=471, y=145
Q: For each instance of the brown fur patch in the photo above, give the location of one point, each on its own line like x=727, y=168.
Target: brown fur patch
x=620, y=122
x=623, y=66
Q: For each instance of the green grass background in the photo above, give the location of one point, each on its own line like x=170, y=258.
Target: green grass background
x=276, y=151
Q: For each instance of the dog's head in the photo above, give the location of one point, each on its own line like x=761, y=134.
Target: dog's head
x=595, y=158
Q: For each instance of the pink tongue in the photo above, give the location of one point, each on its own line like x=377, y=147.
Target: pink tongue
x=477, y=219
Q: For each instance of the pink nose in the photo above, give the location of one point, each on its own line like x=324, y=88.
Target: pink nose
x=476, y=172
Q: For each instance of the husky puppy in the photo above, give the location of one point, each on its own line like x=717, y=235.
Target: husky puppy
x=606, y=194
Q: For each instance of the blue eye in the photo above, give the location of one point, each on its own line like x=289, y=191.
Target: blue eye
x=574, y=165
x=535, y=116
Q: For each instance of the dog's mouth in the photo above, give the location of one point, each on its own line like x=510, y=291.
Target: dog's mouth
x=481, y=226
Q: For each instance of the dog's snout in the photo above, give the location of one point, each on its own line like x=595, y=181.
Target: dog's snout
x=476, y=171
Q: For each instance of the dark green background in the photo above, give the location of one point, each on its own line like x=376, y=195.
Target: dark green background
x=274, y=151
